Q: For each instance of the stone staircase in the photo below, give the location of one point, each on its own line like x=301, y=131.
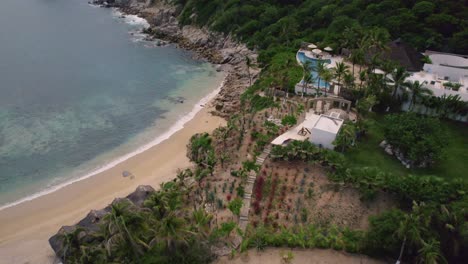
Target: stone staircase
x=244, y=215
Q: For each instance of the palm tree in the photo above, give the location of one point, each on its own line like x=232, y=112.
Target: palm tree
x=346, y=137
x=340, y=70
x=412, y=228
x=398, y=77
x=348, y=80
x=248, y=63
x=306, y=67
x=70, y=243
x=201, y=222
x=417, y=91
x=350, y=37
x=362, y=78
x=450, y=105
x=171, y=231
x=377, y=39
x=285, y=79
x=121, y=226
x=430, y=253
x=320, y=69
x=327, y=77
x=357, y=57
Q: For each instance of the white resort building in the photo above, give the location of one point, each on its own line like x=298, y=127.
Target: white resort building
x=447, y=74
x=318, y=129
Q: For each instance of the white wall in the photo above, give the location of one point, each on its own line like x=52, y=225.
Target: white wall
x=322, y=137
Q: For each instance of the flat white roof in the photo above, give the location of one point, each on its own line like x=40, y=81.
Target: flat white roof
x=293, y=133
x=329, y=124
x=448, y=59
x=312, y=121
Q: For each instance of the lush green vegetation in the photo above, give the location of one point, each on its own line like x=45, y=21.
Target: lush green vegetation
x=163, y=231
x=289, y=120
x=368, y=153
x=431, y=219
x=308, y=236
x=434, y=208
x=426, y=24
x=419, y=139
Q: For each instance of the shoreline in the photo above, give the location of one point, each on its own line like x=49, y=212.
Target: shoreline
x=177, y=126
x=27, y=227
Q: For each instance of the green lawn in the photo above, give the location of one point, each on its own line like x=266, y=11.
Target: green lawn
x=455, y=163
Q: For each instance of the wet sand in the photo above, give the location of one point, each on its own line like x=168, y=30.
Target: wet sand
x=26, y=228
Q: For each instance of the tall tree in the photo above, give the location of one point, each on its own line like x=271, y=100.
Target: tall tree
x=357, y=57
x=121, y=228
x=248, y=63
x=412, y=228
x=327, y=77
x=430, y=253
x=308, y=78
x=417, y=91
x=340, y=70
x=320, y=69
x=346, y=137
x=398, y=78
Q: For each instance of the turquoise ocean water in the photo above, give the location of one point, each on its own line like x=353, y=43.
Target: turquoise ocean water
x=80, y=90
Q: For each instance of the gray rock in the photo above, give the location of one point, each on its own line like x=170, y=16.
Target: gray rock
x=388, y=150
x=383, y=144
x=139, y=196
x=93, y=219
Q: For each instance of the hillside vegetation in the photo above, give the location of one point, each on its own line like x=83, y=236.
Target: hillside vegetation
x=433, y=24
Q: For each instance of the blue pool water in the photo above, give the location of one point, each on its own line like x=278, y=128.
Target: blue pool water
x=313, y=62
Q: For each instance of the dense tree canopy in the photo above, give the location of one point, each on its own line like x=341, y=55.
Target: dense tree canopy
x=420, y=139
x=426, y=24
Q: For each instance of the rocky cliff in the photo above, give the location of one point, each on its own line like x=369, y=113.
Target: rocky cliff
x=217, y=48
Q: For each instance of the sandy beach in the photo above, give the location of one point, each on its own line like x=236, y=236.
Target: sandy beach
x=26, y=228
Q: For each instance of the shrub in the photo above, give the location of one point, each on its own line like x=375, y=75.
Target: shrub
x=235, y=206
x=420, y=139
x=289, y=120
x=381, y=238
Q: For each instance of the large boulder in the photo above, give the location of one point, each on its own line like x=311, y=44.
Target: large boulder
x=57, y=242
x=139, y=196
x=93, y=219
x=86, y=229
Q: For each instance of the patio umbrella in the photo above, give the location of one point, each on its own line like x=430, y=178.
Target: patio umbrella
x=378, y=71
x=312, y=46
x=328, y=49
x=316, y=51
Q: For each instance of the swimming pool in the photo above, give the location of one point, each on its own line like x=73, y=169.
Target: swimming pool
x=313, y=62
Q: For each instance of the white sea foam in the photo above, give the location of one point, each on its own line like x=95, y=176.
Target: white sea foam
x=133, y=20
x=136, y=20
x=166, y=135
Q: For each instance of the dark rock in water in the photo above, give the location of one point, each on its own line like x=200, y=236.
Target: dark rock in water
x=139, y=196
x=178, y=99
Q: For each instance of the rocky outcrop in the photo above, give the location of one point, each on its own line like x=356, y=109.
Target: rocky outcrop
x=213, y=47
x=392, y=151
x=84, y=231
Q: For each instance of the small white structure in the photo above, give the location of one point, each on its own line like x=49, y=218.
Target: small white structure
x=318, y=129
x=325, y=130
